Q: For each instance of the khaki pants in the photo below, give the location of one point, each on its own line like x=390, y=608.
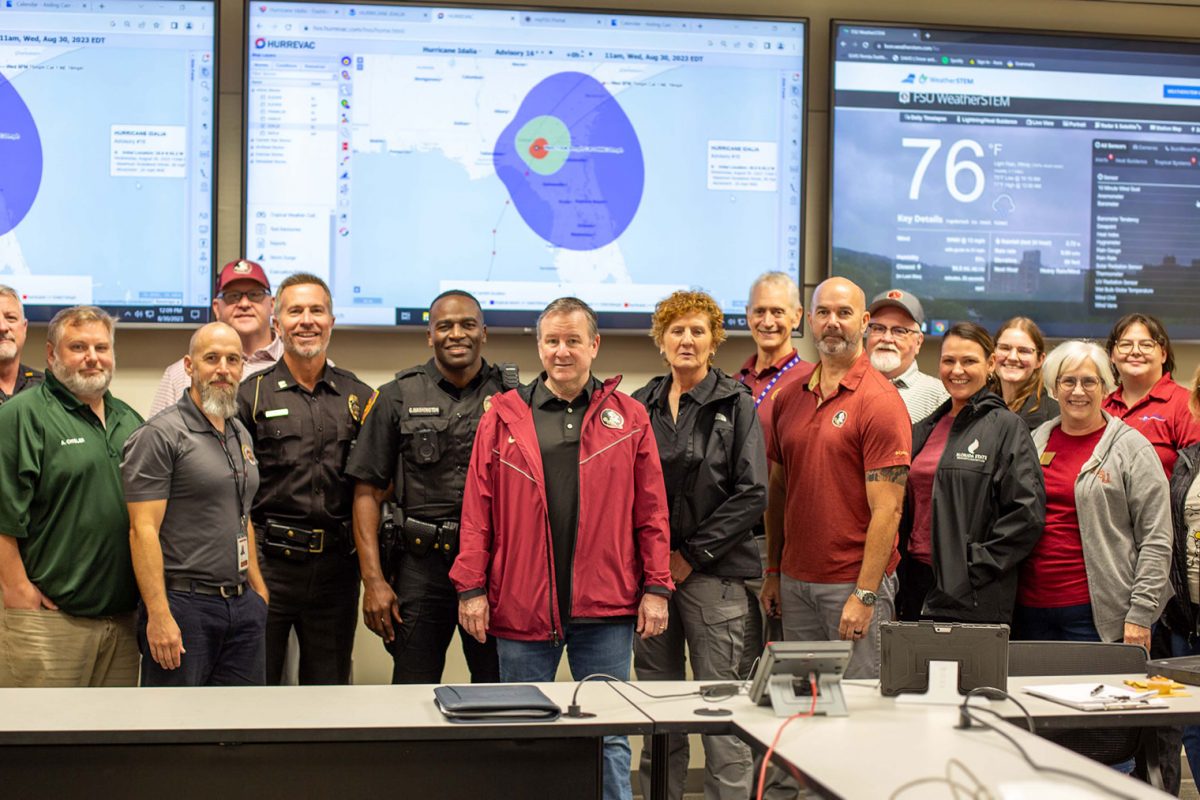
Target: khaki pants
x=52, y=649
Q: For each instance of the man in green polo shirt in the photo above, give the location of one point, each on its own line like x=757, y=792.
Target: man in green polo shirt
x=65, y=571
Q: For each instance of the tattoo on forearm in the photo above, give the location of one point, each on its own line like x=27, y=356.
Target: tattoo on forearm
x=896, y=475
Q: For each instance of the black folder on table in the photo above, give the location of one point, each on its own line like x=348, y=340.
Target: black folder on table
x=510, y=702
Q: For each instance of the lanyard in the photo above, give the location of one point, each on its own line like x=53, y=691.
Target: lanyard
x=763, y=394
x=239, y=485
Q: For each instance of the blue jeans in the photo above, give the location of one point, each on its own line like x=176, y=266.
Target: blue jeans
x=1191, y=733
x=1065, y=624
x=225, y=640
x=591, y=647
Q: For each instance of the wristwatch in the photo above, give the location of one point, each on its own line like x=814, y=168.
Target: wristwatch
x=866, y=596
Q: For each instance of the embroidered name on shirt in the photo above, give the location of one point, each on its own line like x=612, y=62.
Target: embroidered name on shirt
x=76, y=440
x=971, y=455
x=424, y=411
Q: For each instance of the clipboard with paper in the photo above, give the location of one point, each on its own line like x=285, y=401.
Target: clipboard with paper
x=1097, y=697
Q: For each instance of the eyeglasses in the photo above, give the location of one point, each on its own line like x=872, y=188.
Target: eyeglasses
x=875, y=329
x=1089, y=383
x=233, y=298
x=1127, y=346
x=1023, y=352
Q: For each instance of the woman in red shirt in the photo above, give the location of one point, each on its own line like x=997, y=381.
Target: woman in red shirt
x=1148, y=399
x=1100, y=570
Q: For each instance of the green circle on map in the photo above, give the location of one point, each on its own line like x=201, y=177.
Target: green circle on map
x=543, y=144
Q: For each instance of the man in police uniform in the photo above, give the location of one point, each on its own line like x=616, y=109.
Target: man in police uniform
x=14, y=376
x=415, y=446
x=303, y=415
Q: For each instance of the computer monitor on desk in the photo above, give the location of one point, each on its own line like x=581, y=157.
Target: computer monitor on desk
x=941, y=661
x=788, y=672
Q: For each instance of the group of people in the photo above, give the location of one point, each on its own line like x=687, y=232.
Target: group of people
x=685, y=523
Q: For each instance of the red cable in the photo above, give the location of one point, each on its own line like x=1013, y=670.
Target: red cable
x=762, y=772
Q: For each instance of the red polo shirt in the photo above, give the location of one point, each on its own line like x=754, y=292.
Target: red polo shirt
x=765, y=385
x=1162, y=416
x=827, y=448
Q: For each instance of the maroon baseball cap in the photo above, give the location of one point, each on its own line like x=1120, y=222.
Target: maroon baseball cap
x=242, y=269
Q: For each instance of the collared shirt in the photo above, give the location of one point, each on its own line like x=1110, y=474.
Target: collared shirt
x=826, y=447
x=557, y=423
x=60, y=481
x=417, y=433
x=208, y=479
x=302, y=440
x=1162, y=416
x=759, y=380
x=921, y=393
x=175, y=380
x=674, y=439
x=27, y=378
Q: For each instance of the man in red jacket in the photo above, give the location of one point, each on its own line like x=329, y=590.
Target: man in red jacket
x=565, y=538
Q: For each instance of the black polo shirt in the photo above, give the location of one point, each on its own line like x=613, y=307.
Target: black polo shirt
x=302, y=440
x=27, y=377
x=558, y=424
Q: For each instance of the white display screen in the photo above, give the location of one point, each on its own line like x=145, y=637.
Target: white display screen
x=522, y=155
x=106, y=156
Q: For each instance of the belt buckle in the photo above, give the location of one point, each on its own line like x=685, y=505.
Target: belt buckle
x=321, y=533
x=228, y=592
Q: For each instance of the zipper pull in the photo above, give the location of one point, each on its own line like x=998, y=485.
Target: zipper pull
x=554, y=637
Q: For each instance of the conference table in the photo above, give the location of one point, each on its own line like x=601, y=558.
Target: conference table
x=356, y=740
x=883, y=745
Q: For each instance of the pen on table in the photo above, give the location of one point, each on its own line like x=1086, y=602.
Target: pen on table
x=1097, y=690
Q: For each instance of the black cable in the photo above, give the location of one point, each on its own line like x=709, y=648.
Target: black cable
x=574, y=710
x=996, y=694
x=966, y=712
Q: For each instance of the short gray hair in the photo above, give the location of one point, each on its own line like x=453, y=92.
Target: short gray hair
x=781, y=279
x=8, y=291
x=78, y=315
x=301, y=279
x=569, y=305
x=1070, y=355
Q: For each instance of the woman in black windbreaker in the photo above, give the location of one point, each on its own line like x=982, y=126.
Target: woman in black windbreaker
x=1182, y=614
x=715, y=469
x=976, y=501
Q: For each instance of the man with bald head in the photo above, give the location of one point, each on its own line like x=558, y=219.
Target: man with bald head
x=839, y=461
x=190, y=477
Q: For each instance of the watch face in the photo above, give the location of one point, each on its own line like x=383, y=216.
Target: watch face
x=866, y=597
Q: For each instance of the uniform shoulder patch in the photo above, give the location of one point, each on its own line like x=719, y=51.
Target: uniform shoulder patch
x=370, y=405
x=355, y=409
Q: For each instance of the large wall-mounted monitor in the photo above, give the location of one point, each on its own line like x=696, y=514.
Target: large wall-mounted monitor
x=998, y=173
x=402, y=150
x=106, y=156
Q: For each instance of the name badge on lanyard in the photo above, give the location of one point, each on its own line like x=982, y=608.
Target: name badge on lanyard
x=243, y=547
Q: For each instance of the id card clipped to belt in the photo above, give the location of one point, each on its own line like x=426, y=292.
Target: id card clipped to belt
x=243, y=547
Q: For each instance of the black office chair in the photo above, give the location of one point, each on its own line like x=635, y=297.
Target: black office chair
x=1106, y=745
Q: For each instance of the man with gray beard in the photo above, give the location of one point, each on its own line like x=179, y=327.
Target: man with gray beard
x=65, y=572
x=190, y=477
x=303, y=415
x=894, y=338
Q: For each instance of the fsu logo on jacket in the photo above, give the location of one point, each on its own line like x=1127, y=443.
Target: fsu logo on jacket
x=609, y=418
